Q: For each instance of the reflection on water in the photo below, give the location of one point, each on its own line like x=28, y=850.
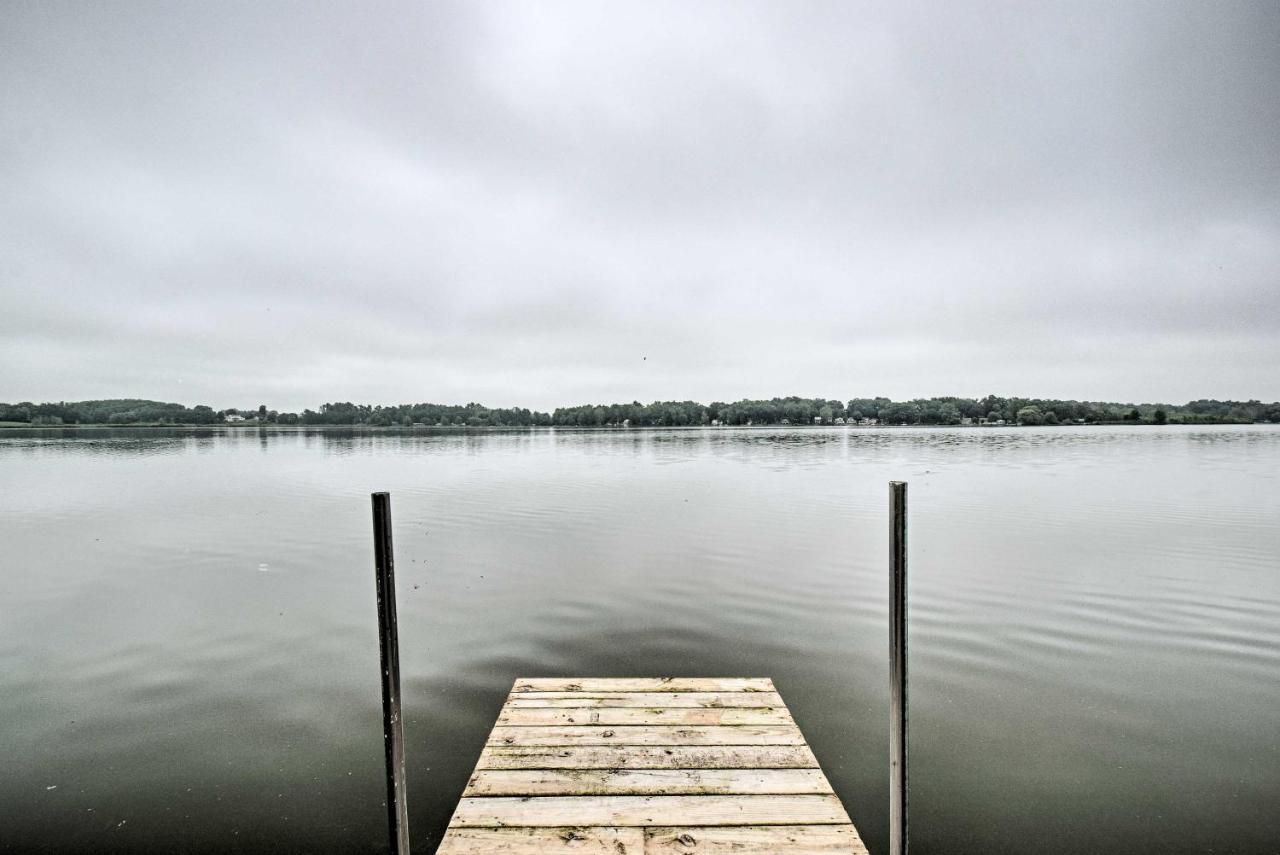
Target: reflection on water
x=188, y=651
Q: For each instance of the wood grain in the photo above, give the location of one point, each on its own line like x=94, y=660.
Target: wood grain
x=536, y=841
x=641, y=757
x=561, y=782
x=645, y=735
x=755, y=840
x=644, y=699
x=519, y=717
x=649, y=810
x=643, y=684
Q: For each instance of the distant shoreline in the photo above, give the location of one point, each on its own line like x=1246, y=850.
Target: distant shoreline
x=247, y=426
x=794, y=413
x=790, y=411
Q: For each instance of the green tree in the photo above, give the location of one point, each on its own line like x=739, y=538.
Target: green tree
x=1030, y=415
x=1160, y=417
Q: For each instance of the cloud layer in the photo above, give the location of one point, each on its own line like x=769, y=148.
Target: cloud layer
x=544, y=204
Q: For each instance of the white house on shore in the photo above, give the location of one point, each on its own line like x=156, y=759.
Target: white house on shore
x=233, y=417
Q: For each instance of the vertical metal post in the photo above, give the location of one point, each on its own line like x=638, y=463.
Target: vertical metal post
x=389, y=650
x=897, y=668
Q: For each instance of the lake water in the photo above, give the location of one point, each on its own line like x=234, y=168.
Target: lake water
x=189, y=657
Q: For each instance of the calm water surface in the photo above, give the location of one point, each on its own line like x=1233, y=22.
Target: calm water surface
x=189, y=659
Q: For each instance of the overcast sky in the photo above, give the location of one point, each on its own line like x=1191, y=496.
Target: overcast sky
x=555, y=203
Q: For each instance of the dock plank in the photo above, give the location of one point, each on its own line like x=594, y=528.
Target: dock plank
x=647, y=735
x=755, y=840
x=560, y=782
x=643, y=715
x=535, y=841
x=648, y=766
x=644, y=699
x=643, y=684
x=642, y=757
x=650, y=810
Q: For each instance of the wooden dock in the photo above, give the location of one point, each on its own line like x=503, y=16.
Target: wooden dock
x=642, y=766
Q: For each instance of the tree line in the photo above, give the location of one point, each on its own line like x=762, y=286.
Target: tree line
x=122, y=411
x=774, y=411
x=918, y=411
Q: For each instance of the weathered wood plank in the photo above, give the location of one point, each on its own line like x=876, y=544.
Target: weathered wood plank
x=643, y=715
x=650, y=811
x=535, y=841
x=640, y=757
x=646, y=735
x=644, y=699
x=755, y=840
x=670, y=782
x=648, y=766
x=643, y=684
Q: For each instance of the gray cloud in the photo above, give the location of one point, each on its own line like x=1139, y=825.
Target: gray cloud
x=552, y=203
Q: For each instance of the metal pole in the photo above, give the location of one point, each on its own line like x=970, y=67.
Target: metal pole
x=897, y=668
x=389, y=649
